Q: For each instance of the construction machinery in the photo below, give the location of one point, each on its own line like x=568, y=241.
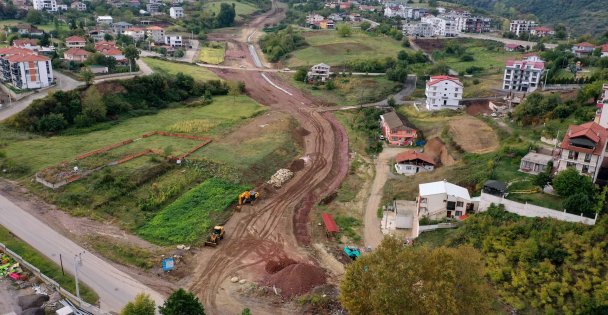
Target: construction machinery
x=352, y=252
x=249, y=196
x=215, y=237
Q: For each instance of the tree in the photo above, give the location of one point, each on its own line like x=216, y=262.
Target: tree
x=344, y=30
x=330, y=85
x=300, y=75
x=420, y=280
x=234, y=90
x=132, y=54
x=569, y=182
x=87, y=75
x=93, y=106
x=391, y=102
x=365, y=25
x=51, y=122
x=34, y=17
x=142, y=305
x=578, y=203
x=226, y=15
x=181, y=302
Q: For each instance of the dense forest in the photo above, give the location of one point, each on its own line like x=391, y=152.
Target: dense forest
x=540, y=265
x=580, y=16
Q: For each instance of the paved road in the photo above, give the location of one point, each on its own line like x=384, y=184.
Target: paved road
x=504, y=40
x=64, y=83
x=115, y=288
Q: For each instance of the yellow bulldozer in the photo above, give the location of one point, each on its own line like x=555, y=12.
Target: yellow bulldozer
x=249, y=196
x=215, y=237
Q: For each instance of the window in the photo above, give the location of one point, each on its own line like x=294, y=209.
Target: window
x=458, y=213
x=459, y=204
x=456, y=89
x=587, y=157
x=585, y=169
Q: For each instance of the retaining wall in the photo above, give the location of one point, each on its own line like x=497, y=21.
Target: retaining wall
x=532, y=211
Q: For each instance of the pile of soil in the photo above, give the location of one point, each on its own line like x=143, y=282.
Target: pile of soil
x=297, y=279
x=275, y=266
x=438, y=151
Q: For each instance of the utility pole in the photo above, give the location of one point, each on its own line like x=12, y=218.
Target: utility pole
x=546, y=76
x=77, y=262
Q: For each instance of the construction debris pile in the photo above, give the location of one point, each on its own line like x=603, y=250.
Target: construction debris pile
x=295, y=279
x=280, y=177
x=10, y=268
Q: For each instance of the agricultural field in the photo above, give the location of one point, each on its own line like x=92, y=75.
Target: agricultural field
x=45, y=27
x=189, y=218
x=212, y=53
x=353, y=90
x=198, y=73
x=241, y=8
x=328, y=47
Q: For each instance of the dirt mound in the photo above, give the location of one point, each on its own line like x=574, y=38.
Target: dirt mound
x=297, y=165
x=438, y=151
x=473, y=135
x=275, y=266
x=477, y=107
x=297, y=279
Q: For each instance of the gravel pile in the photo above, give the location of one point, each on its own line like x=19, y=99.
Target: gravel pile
x=280, y=177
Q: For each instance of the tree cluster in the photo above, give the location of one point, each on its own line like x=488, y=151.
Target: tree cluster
x=278, y=44
x=137, y=96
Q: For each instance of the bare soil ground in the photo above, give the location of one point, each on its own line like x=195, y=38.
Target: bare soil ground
x=430, y=45
x=475, y=108
x=436, y=149
x=473, y=135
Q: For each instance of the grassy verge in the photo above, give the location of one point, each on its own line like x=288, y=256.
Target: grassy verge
x=122, y=253
x=241, y=8
x=213, y=53
x=198, y=73
x=46, y=266
x=328, y=47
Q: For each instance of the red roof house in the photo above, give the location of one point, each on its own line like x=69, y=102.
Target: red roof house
x=395, y=131
x=583, y=148
x=76, y=54
x=412, y=162
x=75, y=41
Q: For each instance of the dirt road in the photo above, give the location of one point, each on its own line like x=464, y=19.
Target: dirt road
x=277, y=226
x=372, y=236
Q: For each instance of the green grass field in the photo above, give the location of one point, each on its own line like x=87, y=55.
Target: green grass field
x=40, y=152
x=46, y=266
x=328, y=47
x=242, y=8
x=212, y=55
x=491, y=61
x=45, y=27
x=198, y=73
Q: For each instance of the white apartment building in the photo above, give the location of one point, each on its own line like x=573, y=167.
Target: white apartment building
x=523, y=75
x=79, y=6
x=314, y=19
x=442, y=27
x=601, y=116
x=583, y=148
x=27, y=71
x=521, y=26
x=45, y=5
x=418, y=29
x=105, y=19
x=441, y=199
x=174, y=40
x=176, y=12
x=443, y=92
x=138, y=34
x=156, y=34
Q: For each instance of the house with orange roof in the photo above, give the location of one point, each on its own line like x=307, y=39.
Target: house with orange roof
x=156, y=34
x=583, y=49
x=76, y=54
x=10, y=51
x=26, y=71
x=75, y=41
x=583, y=148
x=27, y=43
x=541, y=31
x=443, y=92
x=396, y=131
x=412, y=162
x=137, y=33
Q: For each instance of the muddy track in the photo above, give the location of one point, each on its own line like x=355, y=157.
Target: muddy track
x=277, y=226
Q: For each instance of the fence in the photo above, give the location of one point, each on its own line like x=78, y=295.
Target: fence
x=65, y=293
x=550, y=87
x=532, y=211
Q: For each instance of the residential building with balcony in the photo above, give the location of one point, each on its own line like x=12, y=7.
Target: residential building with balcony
x=583, y=148
x=520, y=27
x=443, y=92
x=79, y=6
x=45, y=5
x=75, y=42
x=396, y=131
x=601, y=115
x=156, y=34
x=176, y=12
x=174, y=40
x=523, y=75
x=442, y=199
x=27, y=71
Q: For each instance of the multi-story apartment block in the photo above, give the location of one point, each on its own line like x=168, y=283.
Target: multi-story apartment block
x=442, y=27
x=443, y=92
x=45, y=5
x=176, y=12
x=583, y=148
x=523, y=75
x=521, y=26
x=156, y=34
x=26, y=70
x=174, y=40
x=476, y=24
x=418, y=29
x=79, y=6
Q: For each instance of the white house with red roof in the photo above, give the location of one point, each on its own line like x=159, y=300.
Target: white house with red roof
x=523, y=75
x=76, y=54
x=75, y=41
x=156, y=34
x=443, y=92
x=26, y=70
x=583, y=49
x=583, y=148
x=27, y=43
x=412, y=162
x=541, y=31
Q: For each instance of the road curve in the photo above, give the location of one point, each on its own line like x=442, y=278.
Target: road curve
x=114, y=287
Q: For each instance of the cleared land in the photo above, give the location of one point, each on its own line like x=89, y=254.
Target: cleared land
x=213, y=54
x=198, y=73
x=473, y=135
x=328, y=47
x=242, y=9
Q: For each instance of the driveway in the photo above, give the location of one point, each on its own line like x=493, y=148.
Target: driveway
x=372, y=235
x=114, y=287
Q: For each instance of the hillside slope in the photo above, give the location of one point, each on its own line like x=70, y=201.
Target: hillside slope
x=580, y=16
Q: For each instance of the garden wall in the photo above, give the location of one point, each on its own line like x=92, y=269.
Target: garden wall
x=532, y=211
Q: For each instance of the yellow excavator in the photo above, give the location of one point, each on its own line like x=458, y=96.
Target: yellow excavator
x=249, y=196
x=216, y=236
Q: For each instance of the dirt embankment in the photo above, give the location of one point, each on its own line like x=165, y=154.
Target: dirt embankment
x=473, y=135
x=436, y=149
